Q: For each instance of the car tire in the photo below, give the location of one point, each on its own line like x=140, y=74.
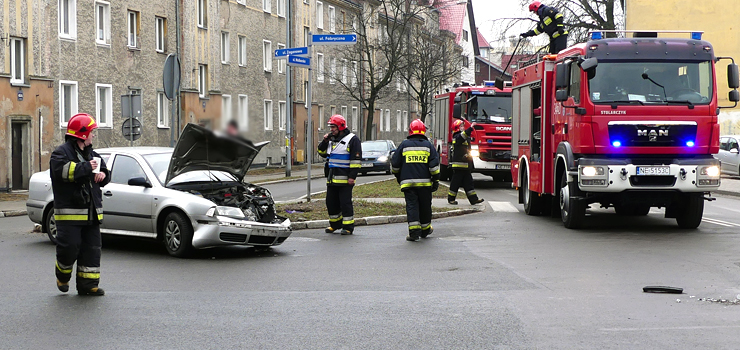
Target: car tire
x=387, y=172
x=50, y=225
x=532, y=200
x=177, y=235
x=691, y=211
x=572, y=211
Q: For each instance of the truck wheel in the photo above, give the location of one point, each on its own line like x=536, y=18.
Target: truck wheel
x=532, y=201
x=691, y=211
x=572, y=211
x=178, y=235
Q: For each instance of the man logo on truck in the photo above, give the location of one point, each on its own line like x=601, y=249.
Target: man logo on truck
x=653, y=135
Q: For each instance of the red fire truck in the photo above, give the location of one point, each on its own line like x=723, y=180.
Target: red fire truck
x=490, y=109
x=628, y=123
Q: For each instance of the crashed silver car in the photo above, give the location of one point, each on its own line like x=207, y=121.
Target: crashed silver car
x=192, y=197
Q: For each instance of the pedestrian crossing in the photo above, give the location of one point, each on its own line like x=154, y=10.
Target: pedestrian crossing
x=503, y=207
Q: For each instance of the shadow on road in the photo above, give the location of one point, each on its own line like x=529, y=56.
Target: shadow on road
x=155, y=248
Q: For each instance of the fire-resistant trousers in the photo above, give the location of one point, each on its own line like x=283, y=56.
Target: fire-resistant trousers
x=81, y=244
x=339, y=206
x=462, y=178
x=418, y=210
x=558, y=44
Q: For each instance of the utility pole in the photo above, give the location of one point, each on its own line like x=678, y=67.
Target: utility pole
x=288, y=97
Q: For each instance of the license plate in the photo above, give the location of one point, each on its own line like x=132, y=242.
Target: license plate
x=653, y=170
x=503, y=166
x=367, y=165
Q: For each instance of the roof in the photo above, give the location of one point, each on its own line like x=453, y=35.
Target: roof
x=494, y=66
x=451, y=18
x=140, y=150
x=482, y=42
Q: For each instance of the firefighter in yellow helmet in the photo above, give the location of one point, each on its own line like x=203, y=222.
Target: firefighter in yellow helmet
x=461, y=163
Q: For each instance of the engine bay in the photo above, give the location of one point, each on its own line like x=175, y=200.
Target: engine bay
x=254, y=201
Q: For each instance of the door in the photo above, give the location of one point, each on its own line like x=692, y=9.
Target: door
x=17, y=168
x=724, y=143
x=733, y=157
x=125, y=207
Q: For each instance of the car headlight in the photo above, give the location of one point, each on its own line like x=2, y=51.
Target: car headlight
x=229, y=211
x=383, y=159
x=474, y=153
x=592, y=171
x=711, y=171
x=211, y=212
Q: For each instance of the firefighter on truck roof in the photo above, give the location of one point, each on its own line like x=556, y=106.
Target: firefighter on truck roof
x=551, y=22
x=461, y=163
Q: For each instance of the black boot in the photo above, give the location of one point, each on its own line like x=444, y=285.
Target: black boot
x=63, y=287
x=94, y=292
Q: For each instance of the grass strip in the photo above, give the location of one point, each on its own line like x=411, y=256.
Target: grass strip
x=390, y=189
x=316, y=210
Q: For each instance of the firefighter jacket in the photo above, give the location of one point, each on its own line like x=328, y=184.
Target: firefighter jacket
x=415, y=163
x=461, y=149
x=77, y=197
x=344, y=154
x=551, y=22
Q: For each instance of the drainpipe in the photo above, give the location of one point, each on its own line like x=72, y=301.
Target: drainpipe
x=288, y=99
x=178, y=18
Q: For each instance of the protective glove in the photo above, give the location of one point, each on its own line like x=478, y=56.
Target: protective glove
x=524, y=35
x=435, y=186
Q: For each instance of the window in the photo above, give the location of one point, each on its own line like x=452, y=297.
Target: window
x=163, y=110
x=354, y=24
x=225, y=110
x=268, y=115
x=355, y=118
x=160, y=32
x=17, y=60
x=381, y=120
x=267, y=55
x=405, y=121
x=133, y=29
x=225, y=47
x=242, y=50
x=266, y=5
x=342, y=17
x=344, y=72
x=102, y=23
x=398, y=120
x=465, y=35
x=320, y=68
x=68, y=19
x=125, y=168
x=67, y=101
x=319, y=15
x=202, y=80
x=344, y=112
x=398, y=83
x=104, y=105
x=477, y=67
x=281, y=8
x=724, y=143
x=306, y=34
x=354, y=73
x=203, y=13
x=333, y=110
x=466, y=62
x=574, y=90
x=282, y=115
x=243, y=110
x=387, y=120
x=281, y=63
x=332, y=20
x=333, y=70
x=321, y=117
x=305, y=93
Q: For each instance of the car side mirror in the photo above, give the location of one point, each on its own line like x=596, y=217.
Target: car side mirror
x=561, y=95
x=562, y=75
x=139, y=181
x=734, y=96
x=733, y=76
x=456, y=111
x=734, y=151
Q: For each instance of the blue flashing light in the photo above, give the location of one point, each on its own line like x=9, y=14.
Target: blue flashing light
x=617, y=143
x=596, y=35
x=477, y=92
x=690, y=143
x=488, y=83
x=696, y=35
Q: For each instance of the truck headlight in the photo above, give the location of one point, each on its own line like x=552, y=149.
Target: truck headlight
x=383, y=159
x=711, y=171
x=474, y=153
x=592, y=171
x=593, y=176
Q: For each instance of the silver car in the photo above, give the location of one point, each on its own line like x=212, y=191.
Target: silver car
x=189, y=197
x=729, y=154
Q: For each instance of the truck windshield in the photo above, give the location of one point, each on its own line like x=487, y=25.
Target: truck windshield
x=490, y=110
x=652, y=82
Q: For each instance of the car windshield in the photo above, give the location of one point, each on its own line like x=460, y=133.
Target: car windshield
x=490, y=110
x=374, y=146
x=160, y=162
x=652, y=82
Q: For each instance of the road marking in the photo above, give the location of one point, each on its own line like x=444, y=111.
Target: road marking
x=720, y=222
x=503, y=207
x=684, y=328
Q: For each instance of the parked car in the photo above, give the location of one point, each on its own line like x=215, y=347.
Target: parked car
x=729, y=154
x=189, y=197
x=376, y=156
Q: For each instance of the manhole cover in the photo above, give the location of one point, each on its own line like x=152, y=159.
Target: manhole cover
x=462, y=238
x=304, y=239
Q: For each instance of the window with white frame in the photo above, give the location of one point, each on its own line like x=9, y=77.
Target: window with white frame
x=354, y=73
x=381, y=120
x=163, y=109
x=405, y=121
x=102, y=22
x=242, y=50
x=67, y=101
x=243, y=110
x=202, y=80
x=67, y=19
x=465, y=35
x=321, y=116
x=344, y=72
x=344, y=112
x=398, y=83
x=225, y=110
x=17, y=60
x=319, y=15
x=306, y=34
x=305, y=94
x=281, y=8
x=202, y=13
x=320, y=67
x=333, y=70
x=133, y=29
x=398, y=120
x=466, y=61
x=268, y=114
x=387, y=120
x=477, y=67
x=355, y=118
x=267, y=55
x=266, y=5
x=160, y=32
x=281, y=63
x=282, y=115
x=225, y=47
x=342, y=21
x=333, y=110
x=354, y=24
x=332, y=19
x=104, y=105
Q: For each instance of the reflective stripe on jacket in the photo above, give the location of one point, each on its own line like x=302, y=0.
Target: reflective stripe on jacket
x=415, y=163
x=461, y=149
x=344, y=158
x=551, y=22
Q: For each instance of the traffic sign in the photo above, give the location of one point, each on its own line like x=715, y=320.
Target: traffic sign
x=171, y=76
x=334, y=39
x=296, y=51
x=297, y=61
x=131, y=129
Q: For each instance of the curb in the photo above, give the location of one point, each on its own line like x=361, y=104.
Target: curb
x=289, y=180
x=727, y=193
x=9, y=213
x=381, y=220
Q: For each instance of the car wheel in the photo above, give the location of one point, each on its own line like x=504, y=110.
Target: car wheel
x=388, y=172
x=572, y=211
x=50, y=225
x=178, y=235
x=691, y=211
x=532, y=202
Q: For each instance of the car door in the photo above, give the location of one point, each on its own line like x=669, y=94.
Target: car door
x=127, y=208
x=722, y=154
x=733, y=157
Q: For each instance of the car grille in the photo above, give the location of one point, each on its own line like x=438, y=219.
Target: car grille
x=261, y=240
x=494, y=154
x=652, y=180
x=368, y=159
x=232, y=237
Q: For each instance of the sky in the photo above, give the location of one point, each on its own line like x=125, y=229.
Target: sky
x=487, y=11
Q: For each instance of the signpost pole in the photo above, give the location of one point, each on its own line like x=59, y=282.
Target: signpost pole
x=288, y=99
x=131, y=124
x=309, y=132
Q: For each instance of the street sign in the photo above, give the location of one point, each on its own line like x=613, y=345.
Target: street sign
x=297, y=61
x=131, y=103
x=334, y=39
x=171, y=76
x=296, y=51
x=131, y=129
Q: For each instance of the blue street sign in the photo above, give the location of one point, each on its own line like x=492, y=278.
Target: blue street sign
x=298, y=61
x=296, y=51
x=334, y=39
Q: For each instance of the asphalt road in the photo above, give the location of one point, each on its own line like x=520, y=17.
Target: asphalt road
x=495, y=280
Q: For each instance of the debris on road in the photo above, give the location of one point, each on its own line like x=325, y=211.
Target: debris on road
x=662, y=289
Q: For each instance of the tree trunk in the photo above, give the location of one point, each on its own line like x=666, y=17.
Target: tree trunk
x=369, y=123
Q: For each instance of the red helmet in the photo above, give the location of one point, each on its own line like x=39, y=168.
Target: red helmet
x=339, y=121
x=417, y=127
x=534, y=6
x=458, y=125
x=81, y=125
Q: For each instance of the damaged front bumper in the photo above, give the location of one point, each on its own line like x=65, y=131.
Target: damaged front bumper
x=223, y=231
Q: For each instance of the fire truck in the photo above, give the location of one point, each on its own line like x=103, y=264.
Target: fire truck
x=629, y=123
x=490, y=109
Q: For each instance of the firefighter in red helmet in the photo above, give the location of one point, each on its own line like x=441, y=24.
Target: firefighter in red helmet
x=461, y=163
x=344, y=152
x=551, y=22
x=77, y=174
x=416, y=166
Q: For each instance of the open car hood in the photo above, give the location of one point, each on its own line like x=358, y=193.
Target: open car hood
x=201, y=149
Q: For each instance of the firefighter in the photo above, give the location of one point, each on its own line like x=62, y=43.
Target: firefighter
x=416, y=167
x=344, y=152
x=551, y=22
x=461, y=163
x=77, y=174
